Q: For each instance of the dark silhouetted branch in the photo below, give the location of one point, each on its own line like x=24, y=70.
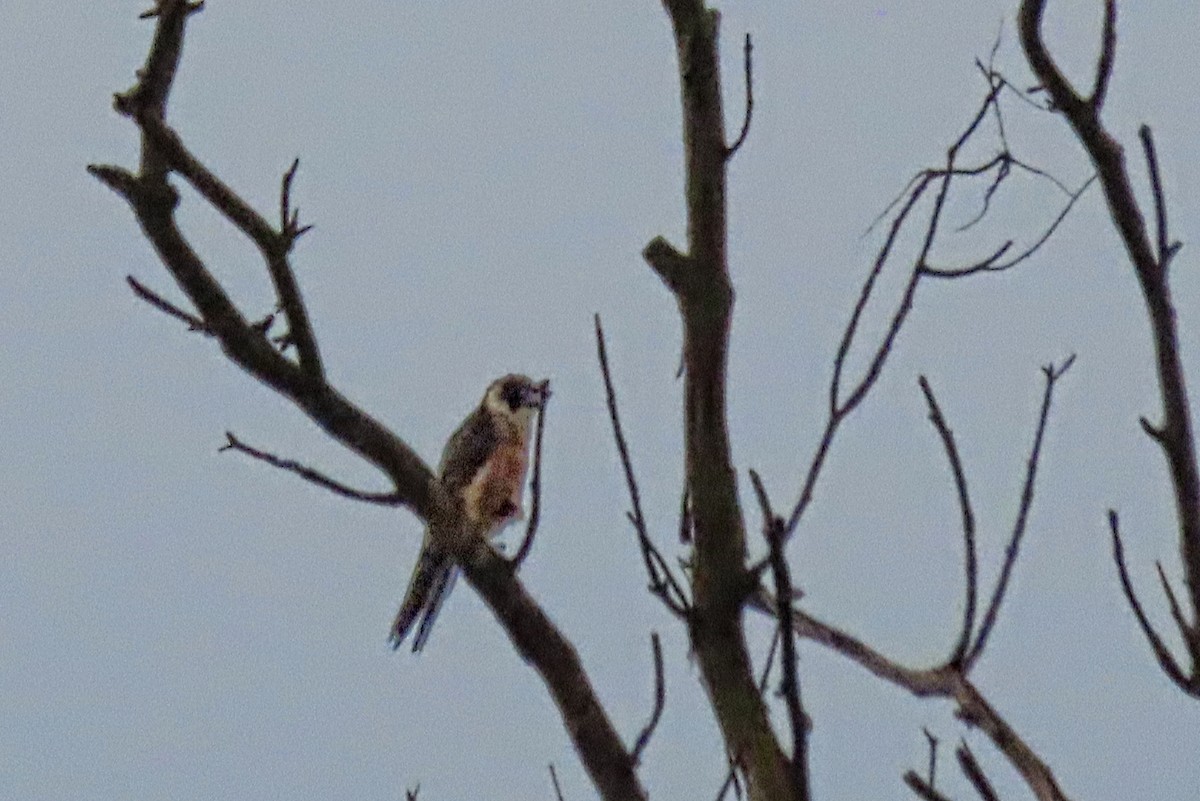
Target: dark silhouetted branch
x=663, y=583
x=660, y=700
x=789, y=687
x=1052, y=374
x=309, y=474
x=974, y=773
x=923, y=788
x=535, y=490
x=842, y=401
x=970, y=567
x=748, y=67
x=558, y=796
x=1108, y=53
x=1161, y=652
x=1174, y=435
x=194, y=323
x=1166, y=248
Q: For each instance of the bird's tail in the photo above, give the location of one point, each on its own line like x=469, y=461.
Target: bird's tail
x=430, y=582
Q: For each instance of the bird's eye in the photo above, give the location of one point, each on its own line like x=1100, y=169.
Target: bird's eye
x=513, y=395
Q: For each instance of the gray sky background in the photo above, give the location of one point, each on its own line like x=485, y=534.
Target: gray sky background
x=180, y=624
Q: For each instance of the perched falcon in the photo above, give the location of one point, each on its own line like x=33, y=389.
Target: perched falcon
x=484, y=464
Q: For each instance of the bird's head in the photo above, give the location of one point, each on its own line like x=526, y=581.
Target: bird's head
x=516, y=397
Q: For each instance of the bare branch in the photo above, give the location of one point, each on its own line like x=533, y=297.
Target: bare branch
x=1108, y=52
x=309, y=474
x=748, y=66
x=1166, y=249
x=974, y=773
x=1191, y=639
x=660, y=700
x=933, y=746
x=923, y=788
x=1052, y=375
x=194, y=323
x=944, y=681
x=535, y=489
x=289, y=218
x=991, y=264
x=789, y=687
x=970, y=567
x=1161, y=652
x=554, y=780
x=731, y=777
x=662, y=579
x=274, y=246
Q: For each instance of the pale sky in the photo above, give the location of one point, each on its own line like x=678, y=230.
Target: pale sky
x=181, y=624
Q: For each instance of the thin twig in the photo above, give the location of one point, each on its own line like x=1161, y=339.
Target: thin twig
x=748, y=67
x=1191, y=637
x=789, y=688
x=289, y=218
x=1165, y=659
x=685, y=515
x=1108, y=52
x=840, y=408
x=535, y=490
x=970, y=567
x=662, y=579
x=974, y=772
x=194, y=323
x=309, y=474
x=923, y=788
x=987, y=265
x=558, y=796
x=1165, y=250
x=1052, y=374
x=933, y=748
x=660, y=700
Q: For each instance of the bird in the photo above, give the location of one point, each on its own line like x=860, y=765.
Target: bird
x=483, y=465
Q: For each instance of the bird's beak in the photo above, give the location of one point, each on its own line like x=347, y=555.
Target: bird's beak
x=537, y=395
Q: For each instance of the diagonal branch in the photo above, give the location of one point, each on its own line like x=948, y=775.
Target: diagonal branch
x=974, y=772
x=843, y=401
x=273, y=245
x=970, y=567
x=194, y=323
x=660, y=700
x=309, y=474
x=662, y=579
x=1161, y=652
x=1052, y=375
x=945, y=681
x=789, y=687
x=535, y=489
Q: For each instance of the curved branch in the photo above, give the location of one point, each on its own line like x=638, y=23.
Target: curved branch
x=1174, y=435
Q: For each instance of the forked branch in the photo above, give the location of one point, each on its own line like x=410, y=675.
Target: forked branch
x=303, y=381
x=1174, y=435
